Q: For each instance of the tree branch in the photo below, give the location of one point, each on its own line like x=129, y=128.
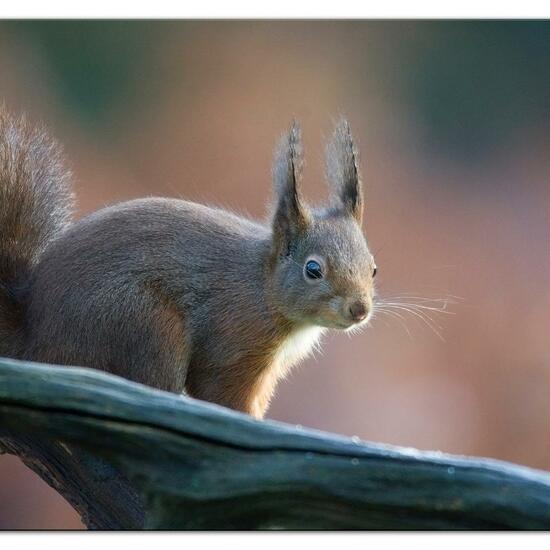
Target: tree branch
x=128, y=456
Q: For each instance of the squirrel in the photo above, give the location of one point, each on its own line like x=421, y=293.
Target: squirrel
x=173, y=294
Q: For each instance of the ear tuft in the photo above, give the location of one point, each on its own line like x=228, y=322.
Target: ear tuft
x=288, y=160
x=292, y=215
x=342, y=170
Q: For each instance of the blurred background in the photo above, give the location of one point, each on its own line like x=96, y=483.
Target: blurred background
x=453, y=125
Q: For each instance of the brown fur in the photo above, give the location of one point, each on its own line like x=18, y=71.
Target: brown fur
x=170, y=293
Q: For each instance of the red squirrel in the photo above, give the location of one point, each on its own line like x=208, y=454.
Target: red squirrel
x=171, y=293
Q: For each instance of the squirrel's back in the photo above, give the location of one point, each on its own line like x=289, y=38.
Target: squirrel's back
x=35, y=206
x=151, y=274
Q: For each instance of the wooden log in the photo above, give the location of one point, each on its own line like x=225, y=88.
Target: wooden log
x=128, y=456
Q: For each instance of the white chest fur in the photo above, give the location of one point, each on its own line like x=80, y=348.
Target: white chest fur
x=297, y=347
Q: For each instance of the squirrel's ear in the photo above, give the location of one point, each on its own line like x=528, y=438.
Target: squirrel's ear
x=292, y=216
x=342, y=170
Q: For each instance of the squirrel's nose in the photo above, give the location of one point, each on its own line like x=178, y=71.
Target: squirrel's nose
x=358, y=311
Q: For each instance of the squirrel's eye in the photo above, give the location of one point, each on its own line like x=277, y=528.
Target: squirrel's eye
x=313, y=270
x=374, y=273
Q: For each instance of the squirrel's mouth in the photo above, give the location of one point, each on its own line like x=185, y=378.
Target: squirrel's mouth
x=343, y=324
x=339, y=322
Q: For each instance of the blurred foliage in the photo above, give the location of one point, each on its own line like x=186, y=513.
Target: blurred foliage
x=472, y=84
x=98, y=66
x=475, y=83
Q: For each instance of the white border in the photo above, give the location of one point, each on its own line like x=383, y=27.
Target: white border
x=274, y=541
x=282, y=9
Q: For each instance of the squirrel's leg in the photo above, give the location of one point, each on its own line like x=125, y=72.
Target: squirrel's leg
x=163, y=356
x=243, y=387
x=144, y=338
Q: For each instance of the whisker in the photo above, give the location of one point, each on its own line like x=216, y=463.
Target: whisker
x=442, y=309
x=441, y=299
x=399, y=318
x=411, y=308
x=417, y=311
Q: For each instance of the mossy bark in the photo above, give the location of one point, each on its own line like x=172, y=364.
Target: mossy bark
x=130, y=457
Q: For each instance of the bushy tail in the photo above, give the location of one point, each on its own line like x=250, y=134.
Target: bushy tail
x=35, y=205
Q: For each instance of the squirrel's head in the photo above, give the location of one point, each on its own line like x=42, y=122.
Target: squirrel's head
x=322, y=270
